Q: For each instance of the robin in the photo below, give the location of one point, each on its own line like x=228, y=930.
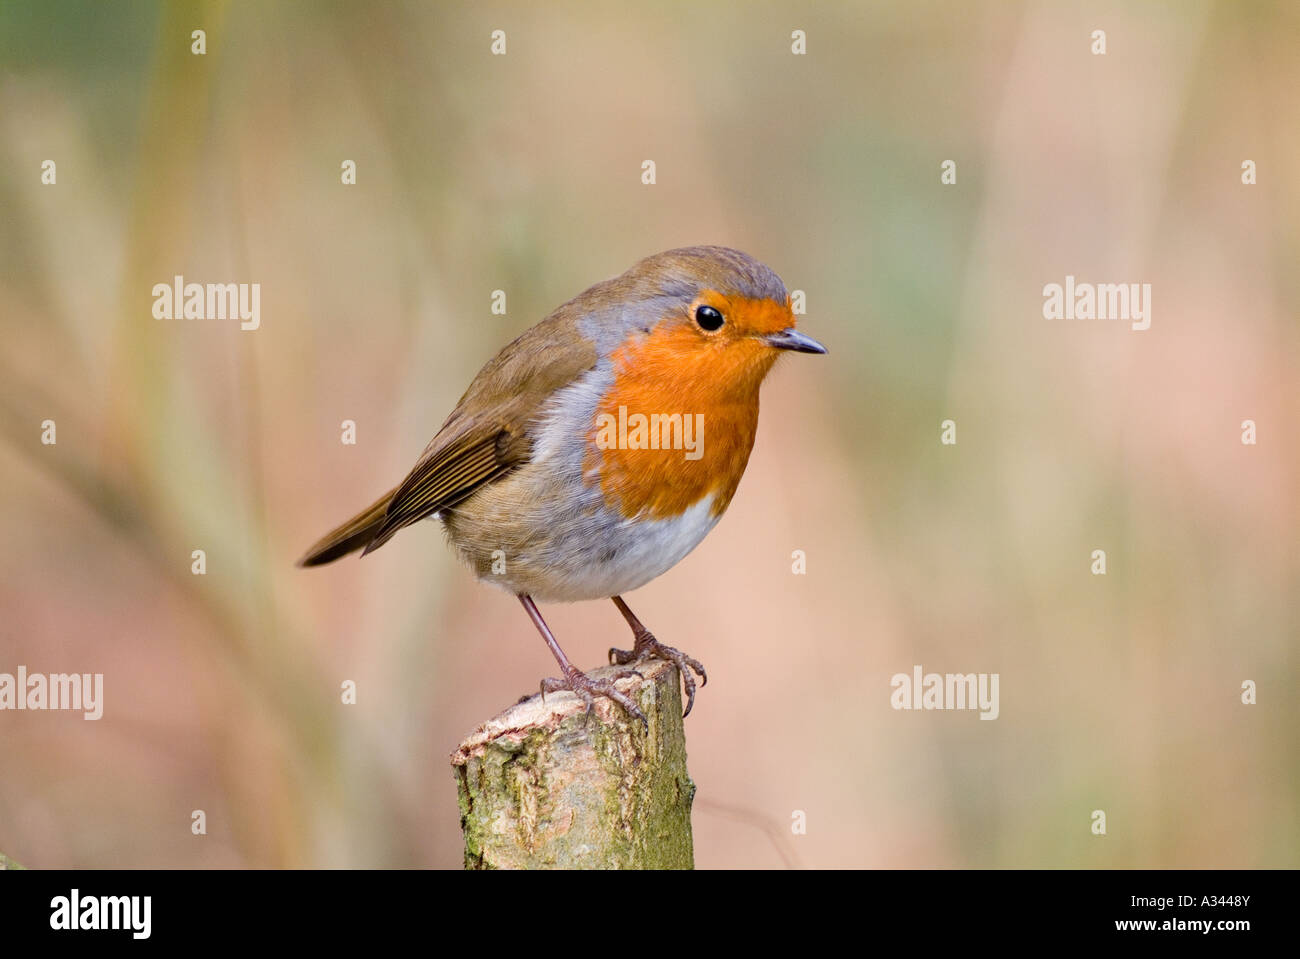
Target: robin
x=596, y=450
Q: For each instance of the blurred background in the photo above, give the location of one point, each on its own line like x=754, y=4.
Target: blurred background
x=522, y=173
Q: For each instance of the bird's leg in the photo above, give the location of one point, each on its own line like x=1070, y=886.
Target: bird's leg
x=647, y=647
x=574, y=679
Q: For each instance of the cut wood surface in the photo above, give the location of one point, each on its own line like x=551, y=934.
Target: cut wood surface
x=544, y=785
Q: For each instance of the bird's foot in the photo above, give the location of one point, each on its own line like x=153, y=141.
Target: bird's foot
x=647, y=647
x=587, y=688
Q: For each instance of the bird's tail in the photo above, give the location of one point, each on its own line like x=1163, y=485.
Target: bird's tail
x=355, y=534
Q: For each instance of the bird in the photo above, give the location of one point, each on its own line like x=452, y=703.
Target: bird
x=599, y=448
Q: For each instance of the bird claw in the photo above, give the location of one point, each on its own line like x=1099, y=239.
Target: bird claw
x=647, y=647
x=587, y=688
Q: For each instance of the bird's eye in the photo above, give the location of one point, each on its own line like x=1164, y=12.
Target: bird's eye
x=708, y=318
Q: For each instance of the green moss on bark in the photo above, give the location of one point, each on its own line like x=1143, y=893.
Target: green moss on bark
x=544, y=785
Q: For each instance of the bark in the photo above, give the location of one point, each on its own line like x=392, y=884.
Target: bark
x=544, y=785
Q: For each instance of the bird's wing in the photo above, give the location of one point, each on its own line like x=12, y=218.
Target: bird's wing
x=489, y=432
x=446, y=475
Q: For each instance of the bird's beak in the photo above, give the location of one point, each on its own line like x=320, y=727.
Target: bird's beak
x=792, y=339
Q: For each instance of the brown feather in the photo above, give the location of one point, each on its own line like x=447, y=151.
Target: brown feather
x=354, y=534
x=486, y=436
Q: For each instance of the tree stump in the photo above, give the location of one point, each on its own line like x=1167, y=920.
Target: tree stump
x=544, y=785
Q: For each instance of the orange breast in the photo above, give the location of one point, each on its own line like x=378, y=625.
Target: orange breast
x=697, y=401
